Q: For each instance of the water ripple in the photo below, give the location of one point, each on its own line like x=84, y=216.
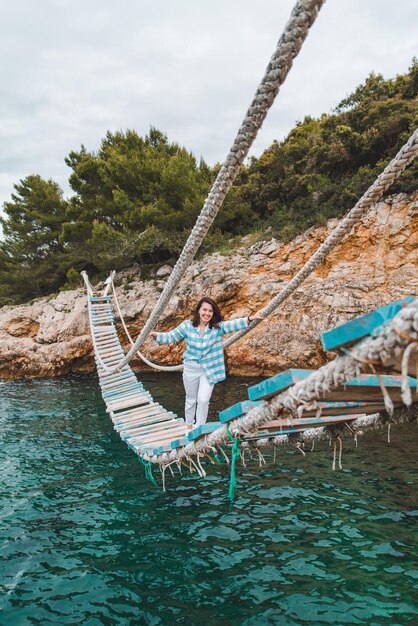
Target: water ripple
x=84, y=539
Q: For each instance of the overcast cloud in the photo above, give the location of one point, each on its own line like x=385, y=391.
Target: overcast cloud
x=70, y=71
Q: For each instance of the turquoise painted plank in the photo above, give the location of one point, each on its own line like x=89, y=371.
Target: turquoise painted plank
x=264, y=434
x=238, y=409
x=370, y=380
x=361, y=326
x=179, y=443
x=344, y=408
x=276, y=384
x=366, y=388
x=199, y=431
x=161, y=449
x=305, y=424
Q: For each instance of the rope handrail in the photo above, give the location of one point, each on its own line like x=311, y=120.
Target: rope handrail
x=89, y=286
x=163, y=368
x=296, y=30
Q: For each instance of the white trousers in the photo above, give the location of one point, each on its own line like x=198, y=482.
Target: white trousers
x=198, y=392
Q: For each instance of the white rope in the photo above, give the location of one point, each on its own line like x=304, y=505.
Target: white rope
x=163, y=368
x=89, y=287
x=303, y=16
x=406, y=390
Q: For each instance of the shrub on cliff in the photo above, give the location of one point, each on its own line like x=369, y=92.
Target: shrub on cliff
x=324, y=165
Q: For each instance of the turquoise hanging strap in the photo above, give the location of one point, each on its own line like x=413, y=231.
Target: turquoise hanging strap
x=217, y=459
x=234, y=456
x=148, y=471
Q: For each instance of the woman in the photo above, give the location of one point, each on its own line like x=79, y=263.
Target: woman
x=204, y=356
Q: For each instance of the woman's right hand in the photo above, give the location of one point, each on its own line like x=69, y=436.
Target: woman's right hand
x=153, y=334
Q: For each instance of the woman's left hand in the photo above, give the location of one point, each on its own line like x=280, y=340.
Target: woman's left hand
x=255, y=316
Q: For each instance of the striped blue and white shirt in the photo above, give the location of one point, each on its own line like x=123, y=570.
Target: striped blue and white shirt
x=207, y=349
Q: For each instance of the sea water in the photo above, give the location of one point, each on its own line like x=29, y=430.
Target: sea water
x=86, y=539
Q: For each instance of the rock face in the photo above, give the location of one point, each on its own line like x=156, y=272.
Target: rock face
x=376, y=264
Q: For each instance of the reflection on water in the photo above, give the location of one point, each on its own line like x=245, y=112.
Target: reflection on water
x=85, y=539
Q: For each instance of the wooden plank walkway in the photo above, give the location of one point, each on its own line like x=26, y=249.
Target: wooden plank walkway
x=140, y=421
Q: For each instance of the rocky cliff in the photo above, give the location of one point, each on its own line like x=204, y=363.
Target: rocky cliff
x=377, y=263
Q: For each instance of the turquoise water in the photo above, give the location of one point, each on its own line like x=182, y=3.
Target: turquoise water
x=85, y=539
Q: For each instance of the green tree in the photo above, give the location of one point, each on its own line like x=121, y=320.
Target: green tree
x=131, y=185
x=31, y=250
x=325, y=164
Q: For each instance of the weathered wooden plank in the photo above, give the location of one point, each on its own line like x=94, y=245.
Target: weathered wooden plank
x=144, y=421
x=343, y=408
x=294, y=427
x=325, y=408
x=129, y=403
x=351, y=332
x=168, y=434
x=140, y=395
x=201, y=431
x=308, y=422
x=147, y=429
x=238, y=409
x=366, y=388
x=107, y=387
x=269, y=387
x=103, y=343
x=125, y=396
x=125, y=391
x=106, y=377
x=109, y=361
x=111, y=352
x=144, y=410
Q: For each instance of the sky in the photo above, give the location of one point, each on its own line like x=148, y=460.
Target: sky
x=72, y=70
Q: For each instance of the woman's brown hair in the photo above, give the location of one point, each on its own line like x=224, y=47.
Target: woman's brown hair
x=217, y=315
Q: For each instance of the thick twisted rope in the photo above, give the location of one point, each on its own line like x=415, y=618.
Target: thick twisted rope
x=395, y=168
x=388, y=344
x=365, y=423
x=303, y=16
